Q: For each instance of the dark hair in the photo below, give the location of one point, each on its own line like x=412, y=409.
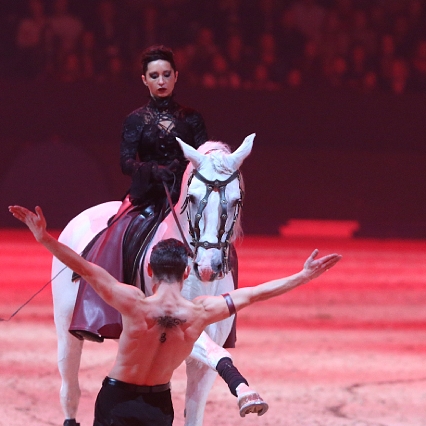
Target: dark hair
x=168, y=260
x=154, y=53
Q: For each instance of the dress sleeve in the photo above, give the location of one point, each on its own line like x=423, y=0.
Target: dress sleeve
x=130, y=138
x=198, y=128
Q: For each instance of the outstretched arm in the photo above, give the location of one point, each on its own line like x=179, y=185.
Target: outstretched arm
x=116, y=294
x=216, y=308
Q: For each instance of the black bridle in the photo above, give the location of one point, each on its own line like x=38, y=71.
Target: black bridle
x=223, y=234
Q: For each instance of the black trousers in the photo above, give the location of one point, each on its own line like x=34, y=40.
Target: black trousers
x=121, y=404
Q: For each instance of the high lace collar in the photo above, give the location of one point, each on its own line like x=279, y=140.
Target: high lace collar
x=162, y=104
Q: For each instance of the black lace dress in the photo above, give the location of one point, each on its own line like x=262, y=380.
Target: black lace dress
x=150, y=134
x=148, y=144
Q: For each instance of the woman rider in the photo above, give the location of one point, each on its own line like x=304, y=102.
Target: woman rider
x=150, y=154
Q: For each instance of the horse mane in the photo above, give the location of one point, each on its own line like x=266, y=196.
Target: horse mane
x=218, y=153
x=214, y=145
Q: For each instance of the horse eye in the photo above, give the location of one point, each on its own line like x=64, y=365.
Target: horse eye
x=191, y=198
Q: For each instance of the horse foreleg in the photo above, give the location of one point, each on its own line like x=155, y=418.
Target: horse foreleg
x=64, y=293
x=200, y=379
x=69, y=356
x=207, y=352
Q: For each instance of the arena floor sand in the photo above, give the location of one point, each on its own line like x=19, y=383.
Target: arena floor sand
x=348, y=349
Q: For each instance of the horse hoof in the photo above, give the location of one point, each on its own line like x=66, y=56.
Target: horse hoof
x=252, y=403
x=71, y=422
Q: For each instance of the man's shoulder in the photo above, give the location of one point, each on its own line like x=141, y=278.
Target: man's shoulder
x=204, y=303
x=138, y=314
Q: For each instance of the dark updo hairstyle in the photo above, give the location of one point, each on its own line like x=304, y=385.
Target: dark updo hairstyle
x=154, y=53
x=169, y=259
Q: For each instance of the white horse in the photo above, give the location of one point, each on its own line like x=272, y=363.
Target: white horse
x=211, y=195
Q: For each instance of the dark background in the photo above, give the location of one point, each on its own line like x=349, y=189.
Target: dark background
x=318, y=154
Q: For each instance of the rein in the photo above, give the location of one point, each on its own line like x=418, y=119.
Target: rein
x=169, y=199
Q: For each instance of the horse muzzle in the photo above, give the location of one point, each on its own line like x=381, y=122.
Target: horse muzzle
x=207, y=275
x=208, y=265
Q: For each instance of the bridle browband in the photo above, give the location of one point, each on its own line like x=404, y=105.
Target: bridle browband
x=194, y=228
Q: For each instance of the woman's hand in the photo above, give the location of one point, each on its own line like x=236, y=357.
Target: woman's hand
x=164, y=173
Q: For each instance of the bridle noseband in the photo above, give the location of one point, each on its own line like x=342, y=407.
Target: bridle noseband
x=194, y=228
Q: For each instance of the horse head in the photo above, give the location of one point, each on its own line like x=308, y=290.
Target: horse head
x=212, y=202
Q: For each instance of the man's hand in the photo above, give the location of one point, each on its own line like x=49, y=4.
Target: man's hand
x=35, y=221
x=314, y=268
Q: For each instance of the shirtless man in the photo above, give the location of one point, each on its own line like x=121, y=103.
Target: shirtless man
x=158, y=331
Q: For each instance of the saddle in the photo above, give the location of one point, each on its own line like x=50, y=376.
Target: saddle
x=95, y=320
x=119, y=248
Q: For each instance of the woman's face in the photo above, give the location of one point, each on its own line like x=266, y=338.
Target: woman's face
x=160, y=78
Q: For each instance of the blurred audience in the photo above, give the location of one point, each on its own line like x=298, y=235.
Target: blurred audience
x=364, y=45
x=30, y=41
x=220, y=75
x=419, y=66
x=64, y=33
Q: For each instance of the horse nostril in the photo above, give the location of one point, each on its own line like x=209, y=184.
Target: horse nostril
x=217, y=268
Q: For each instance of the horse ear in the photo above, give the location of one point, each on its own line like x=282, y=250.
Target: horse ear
x=190, y=153
x=242, y=152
